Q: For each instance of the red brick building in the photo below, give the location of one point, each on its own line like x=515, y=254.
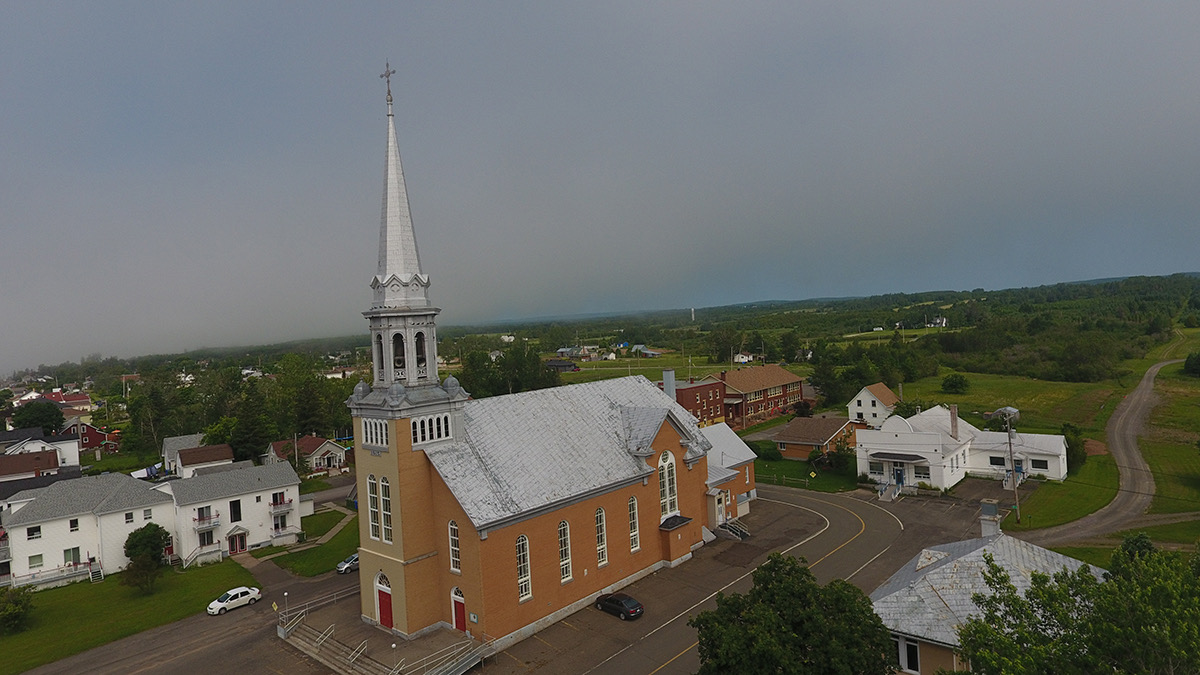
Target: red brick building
x=704, y=399
x=758, y=393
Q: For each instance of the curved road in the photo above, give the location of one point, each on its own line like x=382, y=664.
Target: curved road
x=1136, y=486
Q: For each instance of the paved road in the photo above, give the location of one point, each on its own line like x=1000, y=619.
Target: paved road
x=1136, y=489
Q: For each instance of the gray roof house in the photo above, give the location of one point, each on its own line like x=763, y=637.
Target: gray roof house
x=221, y=512
x=82, y=522
x=926, y=600
x=173, y=444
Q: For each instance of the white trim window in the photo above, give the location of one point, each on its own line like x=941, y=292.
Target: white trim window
x=524, y=587
x=921, y=472
x=601, y=540
x=635, y=540
x=385, y=491
x=455, y=552
x=668, y=496
x=564, y=551
x=373, y=505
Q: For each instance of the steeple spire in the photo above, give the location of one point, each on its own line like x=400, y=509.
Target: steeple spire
x=398, y=280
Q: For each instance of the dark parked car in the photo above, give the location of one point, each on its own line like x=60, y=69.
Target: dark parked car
x=620, y=604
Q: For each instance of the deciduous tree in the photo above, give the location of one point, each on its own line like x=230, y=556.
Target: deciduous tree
x=15, y=607
x=44, y=414
x=789, y=623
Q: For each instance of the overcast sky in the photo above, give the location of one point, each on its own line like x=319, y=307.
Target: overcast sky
x=185, y=175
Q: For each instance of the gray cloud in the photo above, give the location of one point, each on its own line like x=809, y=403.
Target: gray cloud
x=178, y=177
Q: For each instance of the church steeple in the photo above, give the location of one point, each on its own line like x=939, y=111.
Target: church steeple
x=403, y=331
x=398, y=280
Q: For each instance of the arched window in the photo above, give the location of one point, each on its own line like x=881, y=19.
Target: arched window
x=564, y=550
x=373, y=505
x=601, y=540
x=398, y=354
x=385, y=490
x=420, y=351
x=524, y=587
x=668, y=498
x=379, y=355
x=455, y=559
x=635, y=540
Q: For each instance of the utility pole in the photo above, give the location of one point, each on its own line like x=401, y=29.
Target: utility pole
x=1009, y=414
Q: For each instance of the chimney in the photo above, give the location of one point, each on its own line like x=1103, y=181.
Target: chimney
x=722, y=375
x=669, y=382
x=901, y=391
x=954, y=421
x=989, y=517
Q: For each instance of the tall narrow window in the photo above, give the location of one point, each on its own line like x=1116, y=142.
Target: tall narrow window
x=373, y=505
x=635, y=540
x=455, y=559
x=668, y=499
x=398, y=353
x=564, y=550
x=420, y=351
x=379, y=355
x=385, y=490
x=601, y=540
x=524, y=587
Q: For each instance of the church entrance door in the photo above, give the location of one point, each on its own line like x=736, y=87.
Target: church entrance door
x=385, y=608
x=459, y=605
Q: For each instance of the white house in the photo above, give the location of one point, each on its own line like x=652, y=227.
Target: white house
x=191, y=459
x=319, y=454
x=938, y=449
x=872, y=405
x=173, y=444
x=218, y=513
x=66, y=446
x=74, y=528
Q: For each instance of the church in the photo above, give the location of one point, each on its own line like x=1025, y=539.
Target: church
x=499, y=516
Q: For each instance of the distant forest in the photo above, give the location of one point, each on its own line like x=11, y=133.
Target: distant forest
x=1078, y=332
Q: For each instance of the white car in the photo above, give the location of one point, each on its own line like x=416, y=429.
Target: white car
x=234, y=597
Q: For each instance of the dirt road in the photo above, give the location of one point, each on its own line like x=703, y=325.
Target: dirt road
x=1136, y=483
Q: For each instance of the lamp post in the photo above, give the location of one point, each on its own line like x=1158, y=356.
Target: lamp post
x=285, y=607
x=393, y=657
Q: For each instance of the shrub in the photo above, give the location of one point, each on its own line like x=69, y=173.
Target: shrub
x=955, y=383
x=1191, y=365
x=15, y=606
x=1076, y=454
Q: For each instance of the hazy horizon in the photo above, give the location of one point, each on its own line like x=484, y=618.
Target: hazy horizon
x=180, y=177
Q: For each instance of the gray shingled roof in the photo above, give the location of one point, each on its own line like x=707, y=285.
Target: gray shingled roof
x=213, y=486
x=173, y=444
x=520, y=453
x=106, y=493
x=931, y=595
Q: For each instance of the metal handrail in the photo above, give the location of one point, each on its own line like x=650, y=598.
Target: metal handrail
x=439, y=657
x=323, y=637
x=292, y=625
x=329, y=599
x=362, y=647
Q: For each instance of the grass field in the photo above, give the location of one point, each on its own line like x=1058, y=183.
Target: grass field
x=1169, y=444
x=1174, y=533
x=1094, y=556
x=1056, y=503
x=1044, y=405
x=310, y=485
x=75, y=618
x=319, y=523
x=323, y=558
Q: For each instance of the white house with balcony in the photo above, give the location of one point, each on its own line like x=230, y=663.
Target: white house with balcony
x=220, y=513
x=937, y=449
x=75, y=529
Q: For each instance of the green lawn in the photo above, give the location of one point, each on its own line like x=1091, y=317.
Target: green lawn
x=1094, y=556
x=319, y=523
x=310, y=485
x=114, y=462
x=1056, y=503
x=1174, y=533
x=763, y=426
x=797, y=472
x=75, y=618
x=1169, y=445
x=323, y=558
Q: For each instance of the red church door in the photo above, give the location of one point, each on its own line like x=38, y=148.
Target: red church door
x=385, y=608
x=460, y=610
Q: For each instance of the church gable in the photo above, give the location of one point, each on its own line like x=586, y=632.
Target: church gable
x=524, y=453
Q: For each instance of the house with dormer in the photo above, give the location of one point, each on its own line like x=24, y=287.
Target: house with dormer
x=501, y=515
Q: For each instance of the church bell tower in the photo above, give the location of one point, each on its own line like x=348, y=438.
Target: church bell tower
x=404, y=410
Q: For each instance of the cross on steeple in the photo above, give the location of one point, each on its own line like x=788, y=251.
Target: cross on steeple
x=388, y=72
